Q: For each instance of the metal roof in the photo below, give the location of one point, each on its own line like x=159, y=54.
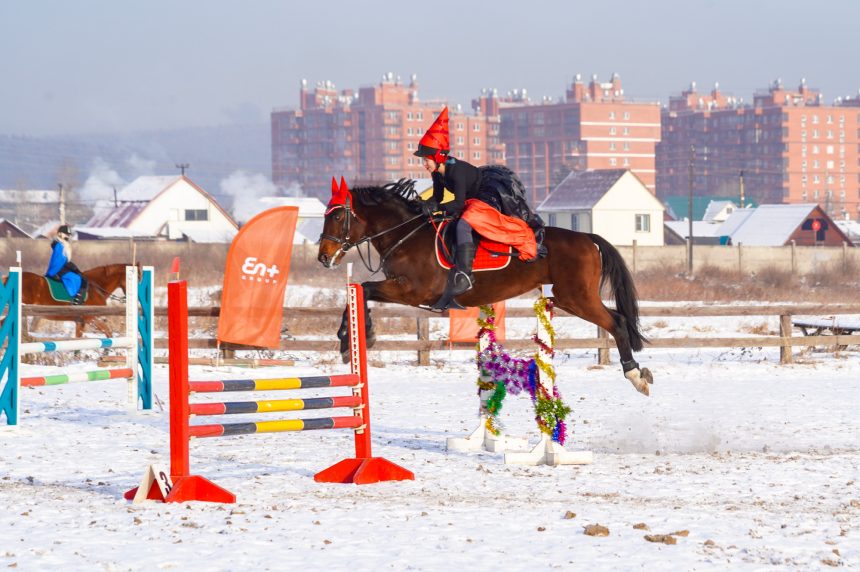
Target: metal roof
x=767, y=225
x=581, y=190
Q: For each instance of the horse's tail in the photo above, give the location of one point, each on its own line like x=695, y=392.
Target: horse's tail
x=615, y=271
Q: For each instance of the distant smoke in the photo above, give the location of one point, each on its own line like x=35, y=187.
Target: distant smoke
x=100, y=182
x=140, y=166
x=103, y=178
x=246, y=190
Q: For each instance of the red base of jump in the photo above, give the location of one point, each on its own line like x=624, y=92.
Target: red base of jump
x=191, y=488
x=364, y=472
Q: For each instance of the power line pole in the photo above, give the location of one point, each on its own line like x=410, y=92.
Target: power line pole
x=690, y=212
x=742, y=188
x=62, y=203
x=182, y=167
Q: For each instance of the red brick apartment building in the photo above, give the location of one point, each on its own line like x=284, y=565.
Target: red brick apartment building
x=789, y=146
x=595, y=127
x=371, y=134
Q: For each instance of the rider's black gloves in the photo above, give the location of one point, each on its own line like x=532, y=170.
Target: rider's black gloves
x=429, y=207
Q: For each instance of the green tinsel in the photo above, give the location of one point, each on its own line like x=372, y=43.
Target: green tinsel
x=549, y=412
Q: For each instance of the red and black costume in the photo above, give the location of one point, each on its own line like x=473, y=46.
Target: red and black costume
x=477, y=210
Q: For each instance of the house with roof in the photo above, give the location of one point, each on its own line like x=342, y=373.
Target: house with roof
x=705, y=231
x=9, y=229
x=172, y=208
x=613, y=203
x=311, y=215
x=779, y=225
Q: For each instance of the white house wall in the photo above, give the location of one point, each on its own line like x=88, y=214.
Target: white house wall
x=168, y=208
x=614, y=215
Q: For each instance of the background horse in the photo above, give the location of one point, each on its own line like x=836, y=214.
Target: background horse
x=578, y=265
x=103, y=282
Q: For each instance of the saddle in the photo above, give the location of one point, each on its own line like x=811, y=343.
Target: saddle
x=490, y=255
x=58, y=291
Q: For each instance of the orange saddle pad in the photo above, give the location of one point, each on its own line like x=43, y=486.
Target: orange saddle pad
x=485, y=257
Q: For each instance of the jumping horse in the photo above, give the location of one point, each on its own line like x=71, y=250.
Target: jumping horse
x=103, y=282
x=578, y=264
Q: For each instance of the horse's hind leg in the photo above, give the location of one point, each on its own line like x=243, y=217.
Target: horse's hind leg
x=589, y=307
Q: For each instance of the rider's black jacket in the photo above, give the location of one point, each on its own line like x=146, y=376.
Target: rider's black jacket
x=462, y=179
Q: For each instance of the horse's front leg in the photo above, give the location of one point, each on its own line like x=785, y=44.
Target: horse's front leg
x=391, y=290
x=343, y=332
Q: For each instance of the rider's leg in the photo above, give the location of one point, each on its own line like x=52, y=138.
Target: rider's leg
x=459, y=277
x=82, y=291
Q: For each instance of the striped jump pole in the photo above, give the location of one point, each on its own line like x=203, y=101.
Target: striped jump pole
x=363, y=468
x=137, y=342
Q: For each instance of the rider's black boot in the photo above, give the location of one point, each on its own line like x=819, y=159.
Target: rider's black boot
x=459, y=278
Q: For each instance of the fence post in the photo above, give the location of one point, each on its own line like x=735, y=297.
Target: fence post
x=602, y=352
x=740, y=261
x=423, y=331
x=793, y=258
x=785, y=355
x=633, y=264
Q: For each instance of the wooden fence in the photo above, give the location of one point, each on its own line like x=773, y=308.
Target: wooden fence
x=423, y=345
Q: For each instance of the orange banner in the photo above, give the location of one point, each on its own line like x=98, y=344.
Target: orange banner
x=255, y=278
x=464, y=324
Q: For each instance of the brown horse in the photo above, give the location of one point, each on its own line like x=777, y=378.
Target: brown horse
x=103, y=282
x=578, y=264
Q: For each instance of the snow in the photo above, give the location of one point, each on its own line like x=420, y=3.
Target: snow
x=758, y=458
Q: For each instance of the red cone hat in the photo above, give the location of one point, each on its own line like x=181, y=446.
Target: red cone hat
x=435, y=141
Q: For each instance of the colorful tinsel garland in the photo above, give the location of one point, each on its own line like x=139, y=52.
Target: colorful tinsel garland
x=508, y=374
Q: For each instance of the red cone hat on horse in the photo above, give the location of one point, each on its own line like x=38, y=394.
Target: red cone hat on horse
x=434, y=143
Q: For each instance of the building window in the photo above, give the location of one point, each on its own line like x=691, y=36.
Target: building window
x=476, y=127
x=551, y=218
x=626, y=162
x=626, y=146
x=476, y=141
x=612, y=146
x=611, y=115
x=613, y=161
x=643, y=223
x=459, y=140
x=626, y=115
x=476, y=155
x=196, y=214
x=574, y=221
x=612, y=131
x=459, y=127
x=626, y=131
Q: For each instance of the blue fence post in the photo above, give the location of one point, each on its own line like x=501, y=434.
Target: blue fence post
x=10, y=341
x=144, y=328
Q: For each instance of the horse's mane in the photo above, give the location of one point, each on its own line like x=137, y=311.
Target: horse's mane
x=401, y=194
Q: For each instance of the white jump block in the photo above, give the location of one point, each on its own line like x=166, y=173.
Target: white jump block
x=548, y=452
x=482, y=439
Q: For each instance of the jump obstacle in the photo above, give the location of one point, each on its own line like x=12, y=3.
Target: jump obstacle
x=364, y=468
x=548, y=451
x=137, y=342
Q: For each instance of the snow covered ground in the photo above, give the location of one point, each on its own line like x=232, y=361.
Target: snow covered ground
x=759, y=462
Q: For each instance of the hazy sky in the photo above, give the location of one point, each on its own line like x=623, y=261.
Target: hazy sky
x=83, y=66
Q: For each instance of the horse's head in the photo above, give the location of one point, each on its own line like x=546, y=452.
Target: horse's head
x=362, y=214
x=342, y=228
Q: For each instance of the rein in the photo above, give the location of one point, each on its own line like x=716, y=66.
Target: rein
x=346, y=244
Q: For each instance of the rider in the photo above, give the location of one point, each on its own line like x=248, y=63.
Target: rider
x=476, y=208
x=63, y=269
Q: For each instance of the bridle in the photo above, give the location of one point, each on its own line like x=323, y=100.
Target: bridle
x=346, y=244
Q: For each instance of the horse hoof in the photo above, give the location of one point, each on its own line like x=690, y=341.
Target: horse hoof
x=646, y=375
x=638, y=382
x=344, y=356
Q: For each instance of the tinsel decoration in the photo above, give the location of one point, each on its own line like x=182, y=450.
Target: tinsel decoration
x=502, y=373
